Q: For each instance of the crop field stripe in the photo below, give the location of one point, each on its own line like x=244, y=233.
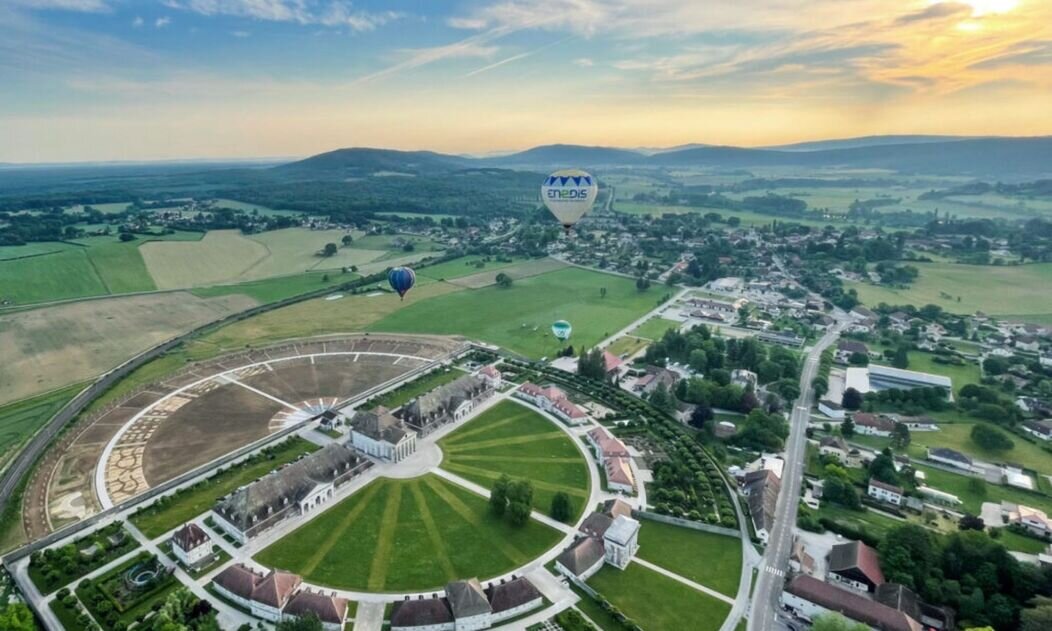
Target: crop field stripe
x=334, y=536
x=493, y=475
x=499, y=458
x=501, y=442
x=461, y=435
x=472, y=518
x=385, y=539
x=432, y=531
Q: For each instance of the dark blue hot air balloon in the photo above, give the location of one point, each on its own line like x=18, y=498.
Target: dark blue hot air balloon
x=401, y=279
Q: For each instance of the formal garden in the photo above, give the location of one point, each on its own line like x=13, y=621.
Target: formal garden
x=52, y=568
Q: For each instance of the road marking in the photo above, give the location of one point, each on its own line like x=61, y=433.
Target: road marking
x=773, y=570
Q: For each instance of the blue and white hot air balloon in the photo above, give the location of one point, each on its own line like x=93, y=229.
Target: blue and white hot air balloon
x=569, y=194
x=401, y=280
x=561, y=329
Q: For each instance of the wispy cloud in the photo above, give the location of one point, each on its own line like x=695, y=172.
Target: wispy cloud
x=67, y=5
x=137, y=22
x=162, y=22
x=334, y=13
x=508, y=60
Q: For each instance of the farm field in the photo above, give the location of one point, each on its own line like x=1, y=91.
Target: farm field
x=654, y=328
x=53, y=347
x=21, y=419
x=57, y=276
x=657, y=602
x=158, y=519
x=375, y=539
x=996, y=290
x=518, y=317
x=465, y=266
x=274, y=289
x=513, y=439
x=713, y=560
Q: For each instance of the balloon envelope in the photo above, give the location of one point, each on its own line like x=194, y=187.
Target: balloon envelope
x=562, y=330
x=401, y=279
x=569, y=194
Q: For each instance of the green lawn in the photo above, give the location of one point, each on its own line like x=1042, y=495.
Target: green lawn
x=958, y=436
x=996, y=290
x=465, y=266
x=874, y=523
x=159, y=518
x=21, y=419
x=713, y=560
x=519, y=317
x=626, y=345
x=654, y=328
x=274, y=289
x=656, y=602
x=1021, y=543
x=427, y=383
x=513, y=439
x=411, y=535
x=973, y=499
x=61, y=275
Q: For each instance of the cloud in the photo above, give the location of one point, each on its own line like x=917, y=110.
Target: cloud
x=939, y=11
x=1036, y=53
x=334, y=13
x=240, y=34
x=475, y=46
x=66, y=5
x=162, y=22
x=584, y=62
x=137, y=22
x=508, y=60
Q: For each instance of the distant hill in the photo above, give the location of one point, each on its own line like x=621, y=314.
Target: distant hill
x=361, y=161
x=571, y=156
x=867, y=141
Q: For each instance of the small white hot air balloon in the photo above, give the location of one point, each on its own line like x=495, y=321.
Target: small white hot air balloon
x=569, y=194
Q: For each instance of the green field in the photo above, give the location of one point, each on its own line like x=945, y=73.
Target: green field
x=59, y=276
x=513, y=439
x=21, y=419
x=411, y=535
x=465, y=266
x=626, y=345
x=427, y=383
x=274, y=289
x=973, y=500
x=159, y=518
x=519, y=317
x=713, y=560
x=995, y=290
x=1021, y=543
x=656, y=602
x=654, y=328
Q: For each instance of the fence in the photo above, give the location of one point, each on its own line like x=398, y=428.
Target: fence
x=686, y=523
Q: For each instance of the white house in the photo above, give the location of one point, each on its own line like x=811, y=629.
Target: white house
x=192, y=545
x=1034, y=520
x=621, y=541
x=491, y=376
x=888, y=493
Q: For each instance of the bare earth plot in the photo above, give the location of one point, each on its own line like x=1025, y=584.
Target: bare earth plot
x=54, y=346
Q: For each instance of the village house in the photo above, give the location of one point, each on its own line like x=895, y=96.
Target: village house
x=832, y=410
x=952, y=458
x=873, y=424
x=192, y=546
x=888, y=493
x=610, y=536
x=1032, y=519
x=1038, y=429
x=762, y=488
x=855, y=565
x=552, y=400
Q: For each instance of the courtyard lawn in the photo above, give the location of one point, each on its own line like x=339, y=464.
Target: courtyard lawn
x=411, y=535
x=626, y=345
x=713, y=560
x=159, y=518
x=996, y=290
x=519, y=317
x=513, y=439
x=427, y=383
x=656, y=602
x=654, y=328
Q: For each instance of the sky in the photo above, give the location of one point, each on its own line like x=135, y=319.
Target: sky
x=91, y=80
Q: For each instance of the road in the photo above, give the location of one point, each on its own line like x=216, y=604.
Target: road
x=768, y=592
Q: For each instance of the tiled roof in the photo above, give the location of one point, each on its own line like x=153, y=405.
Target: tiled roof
x=466, y=598
x=189, y=537
x=856, y=557
x=274, y=590
x=421, y=612
x=512, y=594
x=238, y=580
x=583, y=554
x=851, y=605
x=331, y=609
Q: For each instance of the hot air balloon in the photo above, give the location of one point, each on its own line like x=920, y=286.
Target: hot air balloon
x=569, y=194
x=561, y=329
x=401, y=279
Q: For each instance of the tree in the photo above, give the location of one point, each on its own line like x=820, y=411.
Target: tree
x=602, y=292
x=700, y=415
x=17, y=617
x=858, y=359
x=591, y=364
x=990, y=438
x=309, y=622
x=562, y=507
x=1038, y=618
x=329, y=250
x=837, y=487
x=836, y=622
x=852, y=399
x=970, y=522
x=498, y=495
x=847, y=428
x=347, y=239
x=902, y=357
x=503, y=280
x=882, y=468
x=642, y=283
x=520, y=499
x=126, y=236
x=900, y=436
x=662, y=399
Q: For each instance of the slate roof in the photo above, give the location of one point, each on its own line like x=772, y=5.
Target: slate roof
x=949, y=454
x=583, y=554
x=617, y=507
x=596, y=524
x=851, y=605
x=331, y=609
x=288, y=485
x=763, y=498
x=445, y=397
x=511, y=594
x=856, y=560
x=421, y=612
x=466, y=598
x=379, y=424
x=189, y=537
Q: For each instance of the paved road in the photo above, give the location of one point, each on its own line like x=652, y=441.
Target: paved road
x=766, y=597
